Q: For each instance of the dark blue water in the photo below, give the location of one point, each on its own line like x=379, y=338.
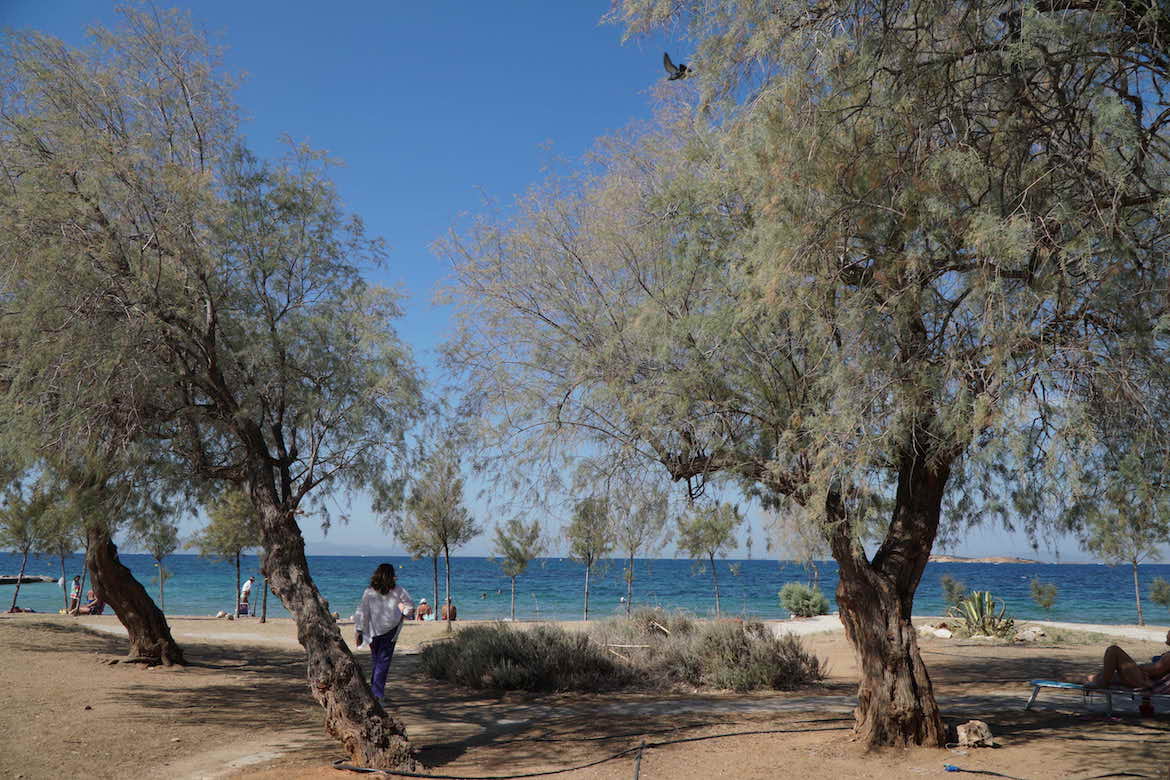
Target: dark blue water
x=552, y=588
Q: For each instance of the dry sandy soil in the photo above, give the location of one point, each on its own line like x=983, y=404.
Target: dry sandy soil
x=241, y=709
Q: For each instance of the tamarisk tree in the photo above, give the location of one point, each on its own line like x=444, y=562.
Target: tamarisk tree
x=434, y=519
x=884, y=281
x=170, y=287
x=705, y=532
x=590, y=536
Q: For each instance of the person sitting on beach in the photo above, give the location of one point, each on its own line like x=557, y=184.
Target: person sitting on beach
x=95, y=606
x=448, y=610
x=423, y=610
x=1119, y=668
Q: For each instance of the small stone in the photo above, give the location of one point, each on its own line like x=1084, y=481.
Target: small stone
x=975, y=733
x=943, y=633
x=175, y=739
x=88, y=707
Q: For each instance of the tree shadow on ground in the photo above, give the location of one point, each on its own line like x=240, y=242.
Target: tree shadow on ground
x=1096, y=742
x=67, y=637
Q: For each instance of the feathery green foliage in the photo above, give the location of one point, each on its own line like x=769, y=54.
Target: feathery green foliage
x=707, y=531
x=953, y=590
x=434, y=520
x=803, y=601
x=590, y=536
x=1127, y=519
x=160, y=539
x=873, y=258
x=517, y=544
x=1043, y=593
x=23, y=523
x=1160, y=592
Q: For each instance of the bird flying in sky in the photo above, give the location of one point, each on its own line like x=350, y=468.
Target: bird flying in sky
x=675, y=71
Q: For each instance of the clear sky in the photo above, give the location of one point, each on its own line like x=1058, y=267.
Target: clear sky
x=433, y=106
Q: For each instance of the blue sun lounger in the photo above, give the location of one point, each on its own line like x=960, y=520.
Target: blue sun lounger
x=1159, y=691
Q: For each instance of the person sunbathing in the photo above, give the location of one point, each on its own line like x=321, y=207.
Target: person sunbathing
x=1117, y=668
x=95, y=606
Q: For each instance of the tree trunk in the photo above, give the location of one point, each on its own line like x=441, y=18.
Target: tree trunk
x=896, y=704
x=450, y=601
x=715, y=580
x=435, y=573
x=587, y=567
x=146, y=626
x=1137, y=594
x=370, y=736
x=19, y=578
x=162, y=591
x=264, y=598
x=630, y=585
x=237, y=594
x=84, y=570
x=513, y=599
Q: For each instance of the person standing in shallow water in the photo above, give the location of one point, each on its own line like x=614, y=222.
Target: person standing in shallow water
x=378, y=620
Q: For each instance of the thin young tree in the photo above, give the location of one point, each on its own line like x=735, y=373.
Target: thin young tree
x=160, y=538
x=517, y=544
x=231, y=530
x=640, y=529
x=63, y=534
x=22, y=515
x=182, y=292
x=434, y=519
x=590, y=536
x=1129, y=521
x=707, y=531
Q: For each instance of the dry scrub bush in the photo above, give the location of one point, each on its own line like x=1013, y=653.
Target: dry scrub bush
x=726, y=654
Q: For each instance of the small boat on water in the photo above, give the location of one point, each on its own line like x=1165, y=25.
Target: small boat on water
x=12, y=579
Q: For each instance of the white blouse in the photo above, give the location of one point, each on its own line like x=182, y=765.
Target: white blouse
x=378, y=614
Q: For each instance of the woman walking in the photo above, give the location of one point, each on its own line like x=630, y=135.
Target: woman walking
x=379, y=619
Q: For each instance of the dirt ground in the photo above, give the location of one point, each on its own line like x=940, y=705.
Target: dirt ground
x=242, y=709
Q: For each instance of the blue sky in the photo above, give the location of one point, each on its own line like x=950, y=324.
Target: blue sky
x=433, y=106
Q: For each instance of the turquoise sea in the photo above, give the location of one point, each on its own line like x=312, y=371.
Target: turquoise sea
x=552, y=587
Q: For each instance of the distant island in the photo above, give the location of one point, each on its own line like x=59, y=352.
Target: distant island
x=992, y=559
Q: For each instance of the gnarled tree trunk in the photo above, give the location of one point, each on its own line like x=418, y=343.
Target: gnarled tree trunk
x=371, y=736
x=895, y=698
x=146, y=626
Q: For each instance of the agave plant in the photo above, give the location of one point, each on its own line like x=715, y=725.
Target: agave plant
x=979, y=613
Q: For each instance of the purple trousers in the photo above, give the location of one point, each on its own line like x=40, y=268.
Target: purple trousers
x=382, y=652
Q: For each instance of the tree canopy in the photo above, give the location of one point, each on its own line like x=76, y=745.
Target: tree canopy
x=873, y=259
x=169, y=287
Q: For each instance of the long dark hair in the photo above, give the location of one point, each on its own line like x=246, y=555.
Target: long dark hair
x=383, y=580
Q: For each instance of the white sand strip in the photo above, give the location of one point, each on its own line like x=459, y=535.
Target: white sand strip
x=1145, y=633
x=816, y=625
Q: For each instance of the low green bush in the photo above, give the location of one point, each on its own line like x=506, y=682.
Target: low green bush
x=542, y=658
x=803, y=601
x=735, y=654
x=726, y=654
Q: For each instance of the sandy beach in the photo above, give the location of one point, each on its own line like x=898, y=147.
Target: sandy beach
x=241, y=709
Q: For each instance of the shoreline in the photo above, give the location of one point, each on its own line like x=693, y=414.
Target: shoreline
x=251, y=629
